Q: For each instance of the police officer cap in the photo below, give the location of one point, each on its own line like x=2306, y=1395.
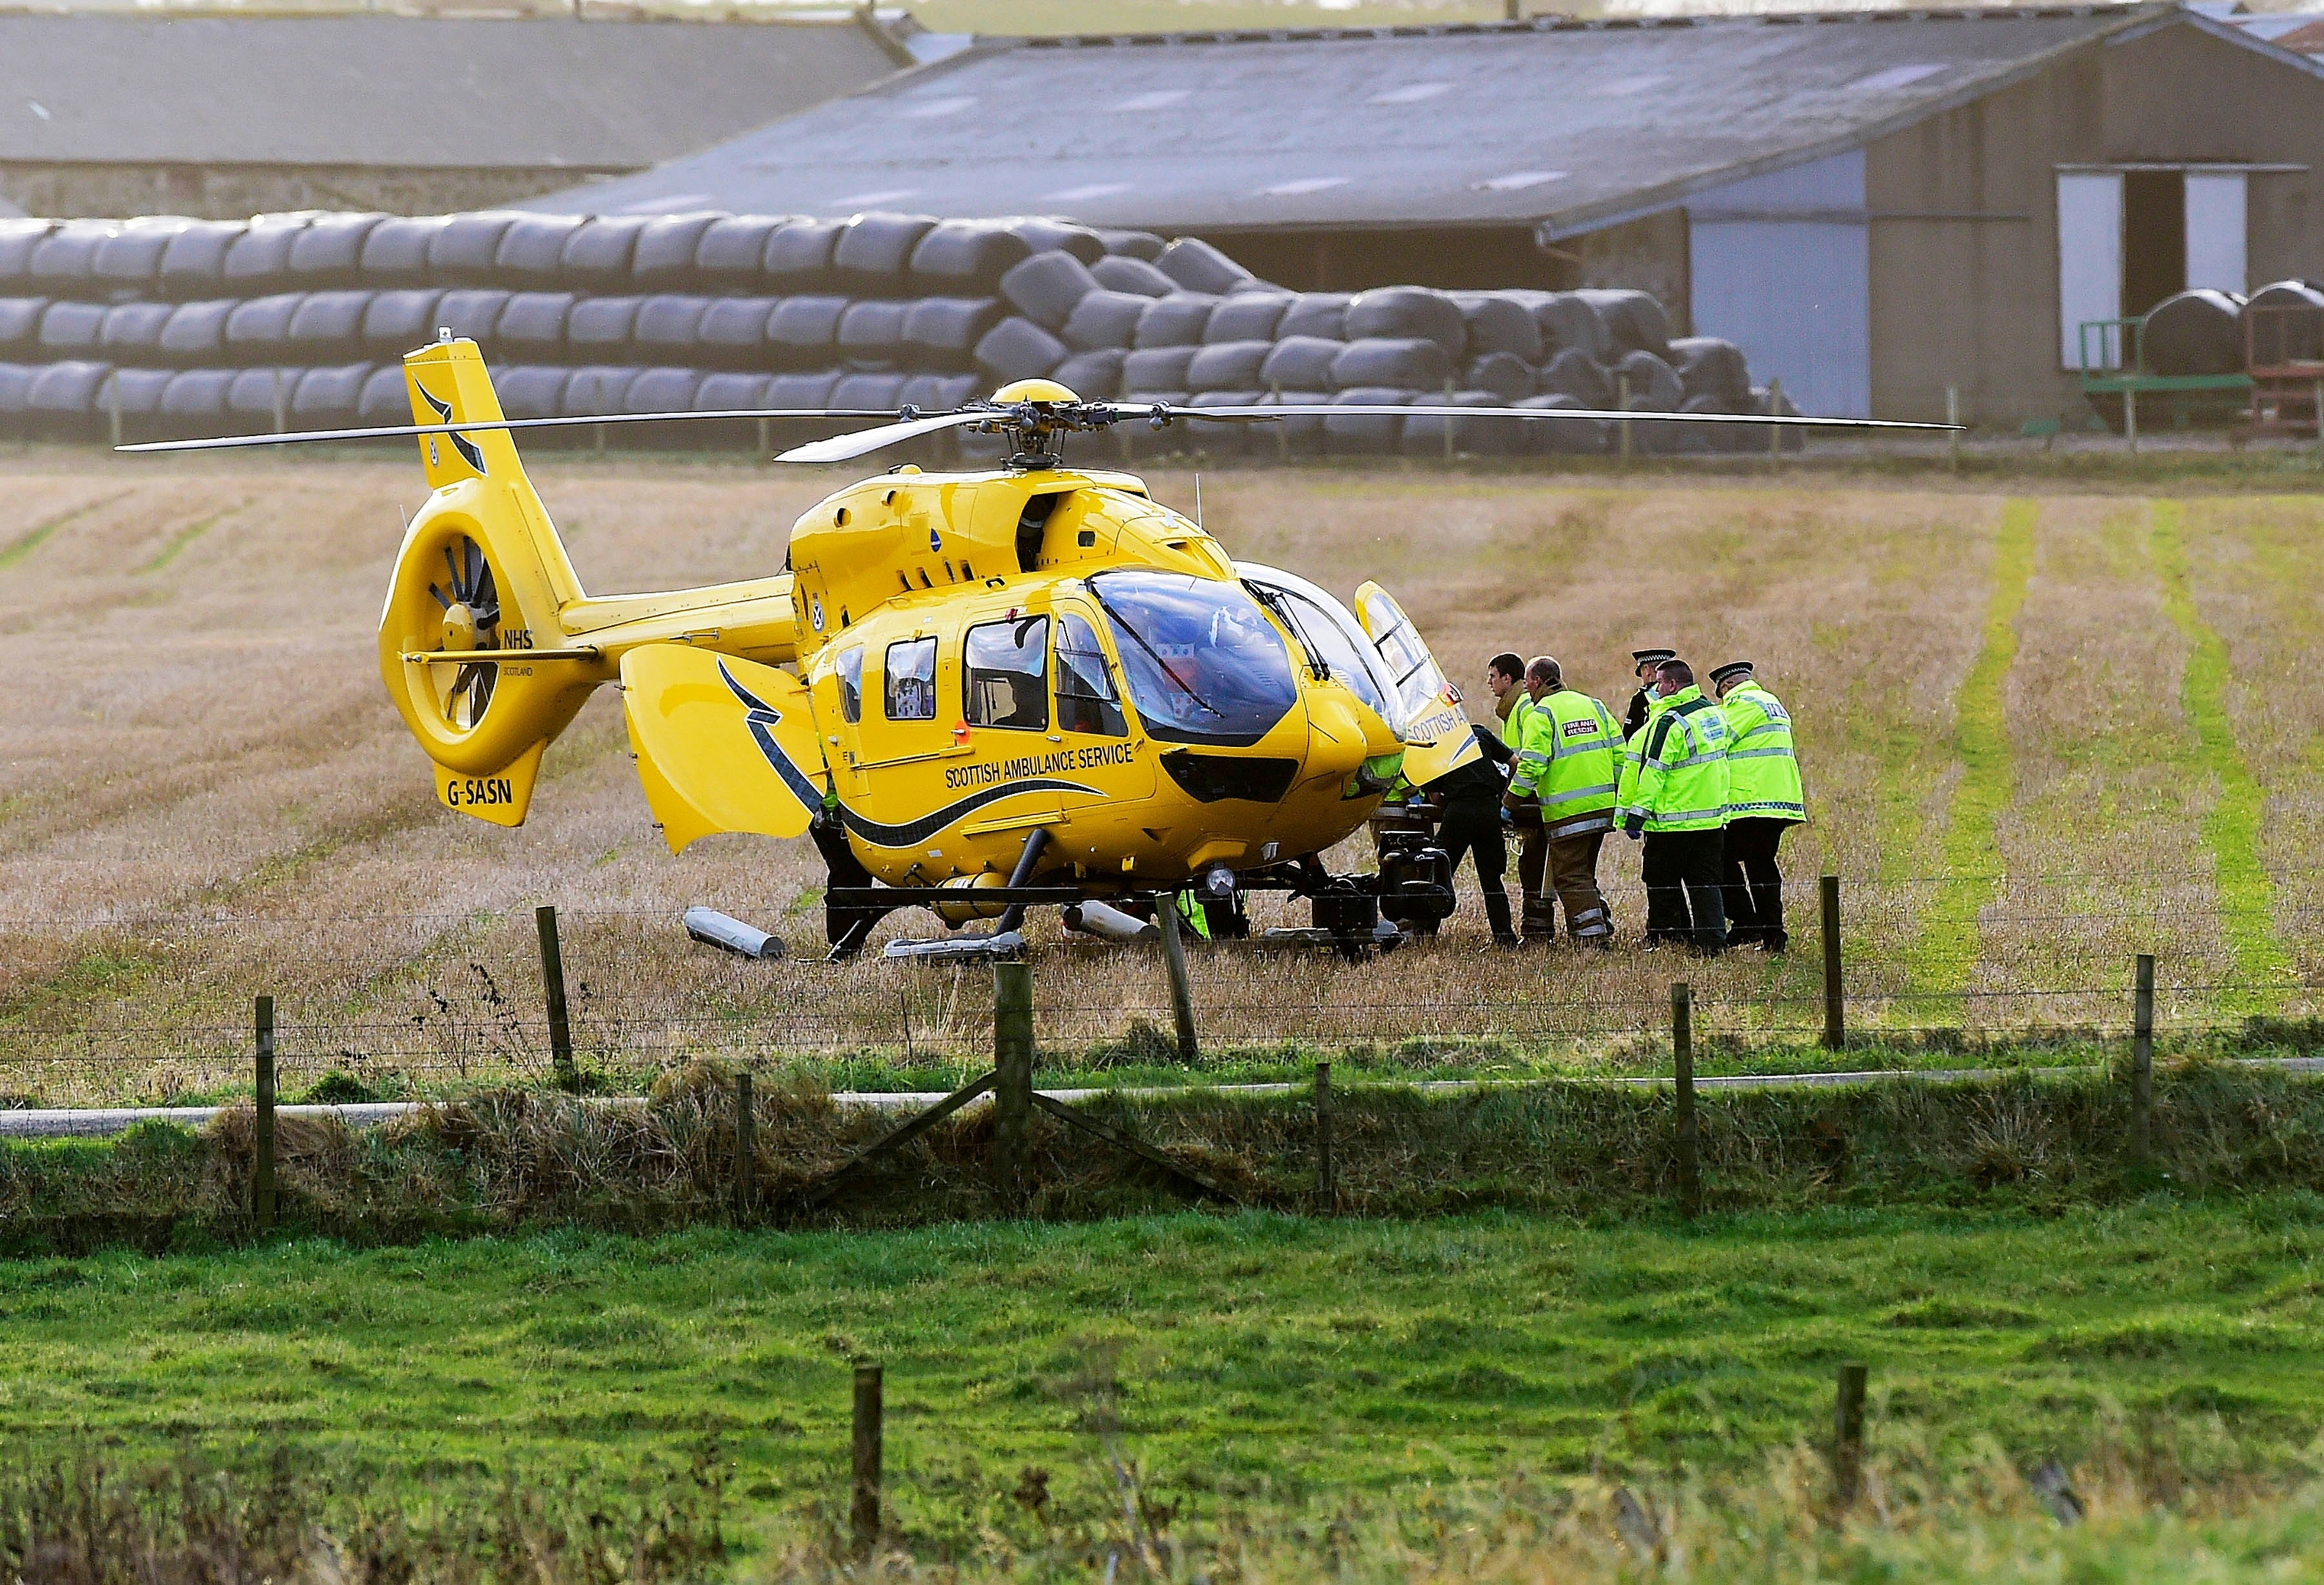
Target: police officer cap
x=1731, y=671
x=1642, y=657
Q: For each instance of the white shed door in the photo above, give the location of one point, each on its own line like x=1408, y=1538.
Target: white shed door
x=2215, y=230
x=2090, y=263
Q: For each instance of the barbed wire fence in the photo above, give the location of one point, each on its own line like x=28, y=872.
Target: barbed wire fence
x=116, y=1006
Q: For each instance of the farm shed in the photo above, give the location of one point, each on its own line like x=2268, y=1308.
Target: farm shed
x=1875, y=206
x=226, y=116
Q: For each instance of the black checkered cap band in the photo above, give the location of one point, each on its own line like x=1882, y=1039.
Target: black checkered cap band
x=1640, y=656
x=1731, y=670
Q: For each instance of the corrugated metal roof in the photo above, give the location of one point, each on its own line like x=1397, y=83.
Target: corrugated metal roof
x=1551, y=121
x=412, y=91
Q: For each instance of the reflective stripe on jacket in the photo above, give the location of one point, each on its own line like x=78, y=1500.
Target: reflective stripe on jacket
x=1763, y=772
x=1573, y=741
x=1681, y=769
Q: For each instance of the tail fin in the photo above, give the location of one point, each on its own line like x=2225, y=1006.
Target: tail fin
x=473, y=644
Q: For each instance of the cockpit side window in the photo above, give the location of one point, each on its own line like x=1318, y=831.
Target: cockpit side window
x=850, y=670
x=1006, y=674
x=910, y=670
x=1087, y=700
x=1418, y=680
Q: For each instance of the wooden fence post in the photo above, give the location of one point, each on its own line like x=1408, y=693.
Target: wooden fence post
x=1182, y=990
x=1690, y=1168
x=1952, y=439
x=1012, y=1063
x=1622, y=403
x=2141, y=1065
x=552, y=979
x=262, y=1170
x=1835, y=1001
x=746, y=1149
x=1848, y=1435
x=1327, y=1193
x=863, y=1511
x=1774, y=431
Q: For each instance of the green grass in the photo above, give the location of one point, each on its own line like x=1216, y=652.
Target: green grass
x=1947, y=951
x=2231, y=828
x=1251, y=1357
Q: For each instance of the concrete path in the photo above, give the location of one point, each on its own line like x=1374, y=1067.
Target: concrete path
x=104, y=1121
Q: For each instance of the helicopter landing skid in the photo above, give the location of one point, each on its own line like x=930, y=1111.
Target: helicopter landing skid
x=1004, y=948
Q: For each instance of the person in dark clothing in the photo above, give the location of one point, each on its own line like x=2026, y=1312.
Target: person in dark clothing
x=1643, y=662
x=1469, y=822
x=846, y=929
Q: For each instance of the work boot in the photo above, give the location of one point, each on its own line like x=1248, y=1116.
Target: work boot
x=1497, y=913
x=1592, y=926
x=1540, y=919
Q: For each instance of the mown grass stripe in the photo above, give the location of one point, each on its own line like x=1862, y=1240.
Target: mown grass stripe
x=184, y=537
x=2231, y=828
x=23, y=544
x=1947, y=950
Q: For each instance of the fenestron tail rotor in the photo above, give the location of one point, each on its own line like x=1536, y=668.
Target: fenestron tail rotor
x=471, y=603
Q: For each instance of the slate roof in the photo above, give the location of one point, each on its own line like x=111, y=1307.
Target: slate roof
x=1548, y=122
x=409, y=91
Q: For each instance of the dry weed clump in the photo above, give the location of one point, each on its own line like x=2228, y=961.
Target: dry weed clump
x=204, y=798
x=79, y=1519
x=2128, y=1510
x=514, y=1159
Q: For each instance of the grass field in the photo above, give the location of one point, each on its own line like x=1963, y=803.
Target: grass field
x=2043, y=730
x=1251, y=1363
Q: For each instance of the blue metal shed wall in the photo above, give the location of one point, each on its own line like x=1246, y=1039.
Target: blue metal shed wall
x=1781, y=267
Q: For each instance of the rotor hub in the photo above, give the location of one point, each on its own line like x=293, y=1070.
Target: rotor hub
x=460, y=626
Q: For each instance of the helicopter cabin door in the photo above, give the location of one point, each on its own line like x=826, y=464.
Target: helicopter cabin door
x=1006, y=720
x=1437, y=734
x=1101, y=751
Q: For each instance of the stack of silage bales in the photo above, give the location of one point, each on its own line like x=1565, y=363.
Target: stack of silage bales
x=185, y=327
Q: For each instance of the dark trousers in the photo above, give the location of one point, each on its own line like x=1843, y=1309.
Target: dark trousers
x=844, y=928
x=1473, y=826
x=1753, y=887
x=1682, y=870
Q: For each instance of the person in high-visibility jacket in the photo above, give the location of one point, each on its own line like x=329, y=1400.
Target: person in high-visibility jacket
x=1764, y=800
x=1666, y=916
x=1566, y=768
x=1505, y=676
x=1678, y=803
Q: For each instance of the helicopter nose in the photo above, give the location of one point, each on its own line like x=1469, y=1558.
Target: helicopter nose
x=1335, y=738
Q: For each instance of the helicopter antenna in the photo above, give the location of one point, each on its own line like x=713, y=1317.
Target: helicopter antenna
x=1198, y=501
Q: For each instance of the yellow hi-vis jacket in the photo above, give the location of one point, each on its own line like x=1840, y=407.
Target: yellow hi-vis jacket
x=1633, y=750
x=1512, y=724
x=1568, y=758
x=1763, y=773
x=1682, y=759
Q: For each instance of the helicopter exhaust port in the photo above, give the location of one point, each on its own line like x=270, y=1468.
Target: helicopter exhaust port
x=1097, y=918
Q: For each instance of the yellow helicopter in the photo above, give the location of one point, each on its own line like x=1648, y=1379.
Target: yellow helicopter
x=978, y=692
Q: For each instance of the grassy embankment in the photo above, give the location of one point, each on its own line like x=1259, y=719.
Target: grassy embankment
x=1255, y=1363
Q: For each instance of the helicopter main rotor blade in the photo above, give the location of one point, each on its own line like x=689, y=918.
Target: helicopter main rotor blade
x=842, y=448
x=399, y=432
x=1245, y=415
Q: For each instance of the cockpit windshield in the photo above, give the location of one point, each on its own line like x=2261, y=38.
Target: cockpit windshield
x=1203, y=665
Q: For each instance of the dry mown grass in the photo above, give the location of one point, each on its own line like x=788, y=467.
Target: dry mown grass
x=205, y=794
